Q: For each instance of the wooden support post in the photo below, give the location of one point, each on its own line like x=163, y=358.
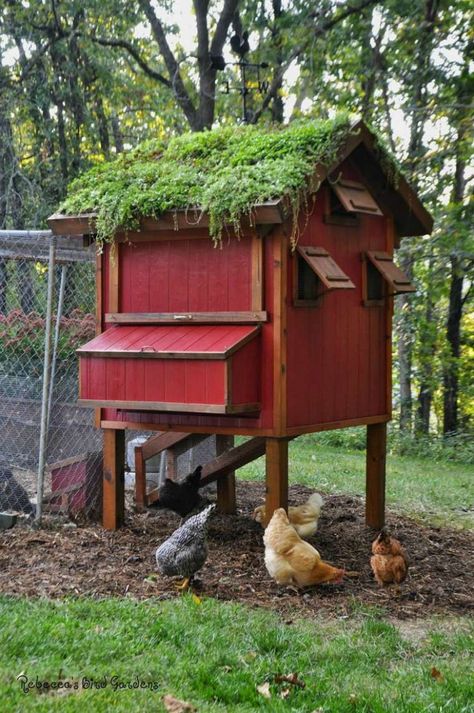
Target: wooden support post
x=226, y=502
x=140, y=479
x=114, y=464
x=375, y=475
x=276, y=471
x=171, y=464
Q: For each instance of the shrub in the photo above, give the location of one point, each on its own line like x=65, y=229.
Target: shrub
x=456, y=447
x=22, y=339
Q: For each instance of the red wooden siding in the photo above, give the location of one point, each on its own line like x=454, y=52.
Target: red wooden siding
x=337, y=362
x=244, y=364
x=185, y=276
x=336, y=355
x=152, y=380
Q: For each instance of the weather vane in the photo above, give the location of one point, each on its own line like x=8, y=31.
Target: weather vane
x=240, y=45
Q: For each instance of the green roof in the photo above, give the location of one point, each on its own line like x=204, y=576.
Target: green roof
x=223, y=172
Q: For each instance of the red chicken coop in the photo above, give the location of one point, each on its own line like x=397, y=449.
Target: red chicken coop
x=284, y=329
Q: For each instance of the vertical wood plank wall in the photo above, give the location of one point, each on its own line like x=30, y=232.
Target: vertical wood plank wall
x=186, y=275
x=338, y=350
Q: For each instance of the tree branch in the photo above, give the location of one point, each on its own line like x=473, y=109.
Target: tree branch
x=180, y=91
x=201, y=9
x=222, y=27
x=319, y=30
x=123, y=44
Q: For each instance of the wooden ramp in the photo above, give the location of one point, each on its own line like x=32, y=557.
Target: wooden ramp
x=220, y=469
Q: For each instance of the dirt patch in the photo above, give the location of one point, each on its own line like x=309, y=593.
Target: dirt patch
x=87, y=560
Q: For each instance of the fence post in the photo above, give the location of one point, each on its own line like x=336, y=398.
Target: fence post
x=46, y=376
x=59, y=313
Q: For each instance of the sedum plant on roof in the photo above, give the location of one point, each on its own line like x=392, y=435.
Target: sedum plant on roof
x=224, y=172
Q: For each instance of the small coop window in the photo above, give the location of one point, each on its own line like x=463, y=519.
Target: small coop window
x=380, y=273
x=315, y=273
x=373, y=285
x=346, y=200
x=355, y=197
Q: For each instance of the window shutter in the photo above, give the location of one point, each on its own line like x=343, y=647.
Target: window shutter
x=355, y=197
x=322, y=264
x=395, y=278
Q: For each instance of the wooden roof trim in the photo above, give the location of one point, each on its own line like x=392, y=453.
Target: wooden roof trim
x=268, y=213
x=413, y=203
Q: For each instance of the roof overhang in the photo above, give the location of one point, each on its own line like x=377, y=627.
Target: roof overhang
x=268, y=213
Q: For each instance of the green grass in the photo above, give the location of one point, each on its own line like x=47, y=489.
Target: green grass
x=214, y=655
x=431, y=491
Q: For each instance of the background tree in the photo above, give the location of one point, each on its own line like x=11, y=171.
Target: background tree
x=83, y=81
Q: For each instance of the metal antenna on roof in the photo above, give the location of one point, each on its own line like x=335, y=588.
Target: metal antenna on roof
x=240, y=46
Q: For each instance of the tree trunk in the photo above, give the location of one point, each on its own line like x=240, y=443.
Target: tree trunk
x=427, y=338
x=75, y=104
x=102, y=126
x=405, y=350
x=117, y=133
x=453, y=326
x=422, y=75
x=374, y=64
x=453, y=335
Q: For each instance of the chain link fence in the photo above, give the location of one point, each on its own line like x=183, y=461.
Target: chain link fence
x=43, y=429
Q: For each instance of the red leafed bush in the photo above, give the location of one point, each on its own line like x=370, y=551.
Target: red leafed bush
x=22, y=337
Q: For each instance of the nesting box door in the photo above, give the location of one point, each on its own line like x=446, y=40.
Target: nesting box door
x=193, y=368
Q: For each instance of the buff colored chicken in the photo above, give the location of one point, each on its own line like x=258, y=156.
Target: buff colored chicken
x=291, y=560
x=389, y=561
x=304, y=518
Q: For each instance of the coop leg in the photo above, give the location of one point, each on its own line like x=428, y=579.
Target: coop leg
x=171, y=464
x=226, y=502
x=114, y=464
x=375, y=475
x=140, y=480
x=276, y=472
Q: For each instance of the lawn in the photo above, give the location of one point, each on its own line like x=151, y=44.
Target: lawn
x=216, y=656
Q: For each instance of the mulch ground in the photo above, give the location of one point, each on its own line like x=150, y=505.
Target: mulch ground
x=65, y=560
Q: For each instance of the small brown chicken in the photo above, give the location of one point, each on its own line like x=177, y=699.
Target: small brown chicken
x=389, y=560
x=291, y=560
x=304, y=518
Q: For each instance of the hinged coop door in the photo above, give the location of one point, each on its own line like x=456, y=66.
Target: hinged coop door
x=191, y=368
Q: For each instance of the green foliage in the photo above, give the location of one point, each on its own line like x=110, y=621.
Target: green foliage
x=458, y=448
x=224, y=172
x=215, y=655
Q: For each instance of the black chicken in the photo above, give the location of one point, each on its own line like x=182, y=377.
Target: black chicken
x=181, y=497
x=13, y=496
